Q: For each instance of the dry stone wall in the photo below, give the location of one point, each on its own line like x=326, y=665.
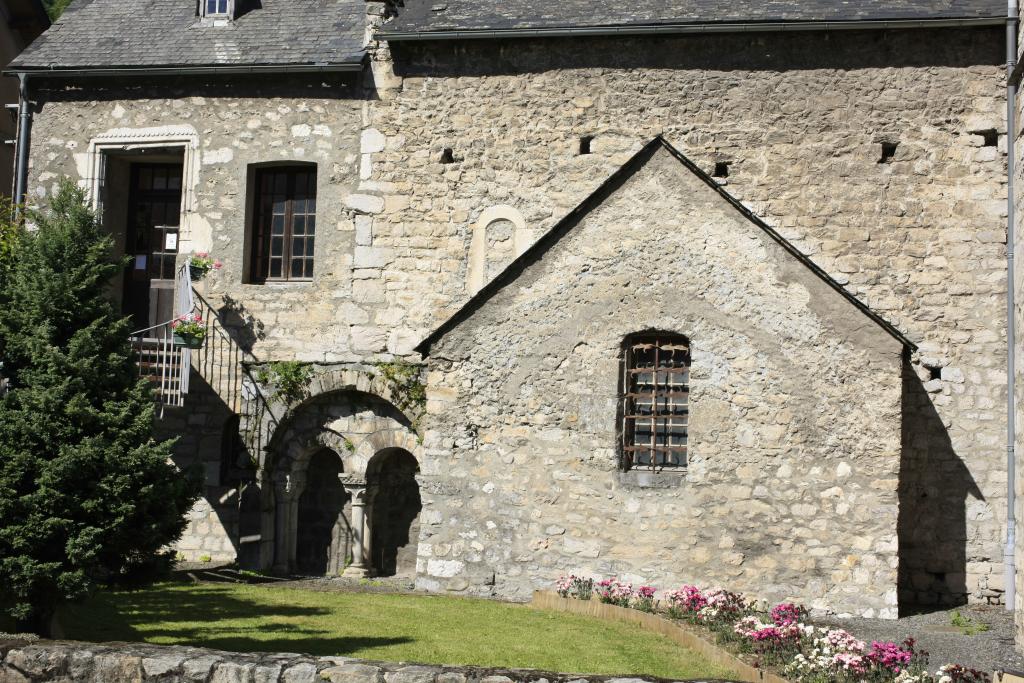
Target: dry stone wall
x=24, y=661
x=786, y=496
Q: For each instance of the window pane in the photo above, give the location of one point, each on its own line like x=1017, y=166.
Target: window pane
x=285, y=223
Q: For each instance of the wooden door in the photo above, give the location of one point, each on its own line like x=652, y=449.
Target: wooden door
x=154, y=219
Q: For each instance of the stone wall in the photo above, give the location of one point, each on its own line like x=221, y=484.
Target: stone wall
x=413, y=158
x=237, y=123
x=918, y=238
x=37, y=662
x=794, y=415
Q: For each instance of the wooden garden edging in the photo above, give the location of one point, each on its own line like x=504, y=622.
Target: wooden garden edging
x=679, y=633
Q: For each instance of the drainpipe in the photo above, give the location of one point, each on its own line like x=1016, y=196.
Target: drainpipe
x=24, y=131
x=1009, y=561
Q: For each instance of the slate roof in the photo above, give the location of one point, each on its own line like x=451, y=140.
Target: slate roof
x=163, y=33
x=428, y=16
x=614, y=182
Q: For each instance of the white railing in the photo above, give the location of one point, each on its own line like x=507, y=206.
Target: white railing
x=158, y=358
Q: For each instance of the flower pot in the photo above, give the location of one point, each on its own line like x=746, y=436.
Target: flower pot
x=197, y=274
x=188, y=341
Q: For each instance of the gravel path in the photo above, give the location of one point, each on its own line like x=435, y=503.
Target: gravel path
x=990, y=651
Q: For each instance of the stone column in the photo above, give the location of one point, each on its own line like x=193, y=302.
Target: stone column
x=356, y=487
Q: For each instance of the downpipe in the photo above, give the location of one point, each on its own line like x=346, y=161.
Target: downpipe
x=1009, y=557
x=22, y=145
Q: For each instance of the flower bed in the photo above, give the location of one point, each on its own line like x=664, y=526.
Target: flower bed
x=779, y=638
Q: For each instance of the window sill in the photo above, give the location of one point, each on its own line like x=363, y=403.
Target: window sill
x=280, y=283
x=652, y=479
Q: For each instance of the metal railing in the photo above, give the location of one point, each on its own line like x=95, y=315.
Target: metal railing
x=158, y=358
x=221, y=363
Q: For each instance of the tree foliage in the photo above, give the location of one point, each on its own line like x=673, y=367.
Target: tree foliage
x=10, y=232
x=55, y=8
x=86, y=493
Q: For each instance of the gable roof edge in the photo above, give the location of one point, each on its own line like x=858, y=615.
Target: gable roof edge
x=688, y=28
x=612, y=183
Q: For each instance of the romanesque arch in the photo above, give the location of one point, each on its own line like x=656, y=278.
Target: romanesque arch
x=318, y=478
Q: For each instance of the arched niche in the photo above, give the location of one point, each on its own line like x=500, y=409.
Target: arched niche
x=494, y=218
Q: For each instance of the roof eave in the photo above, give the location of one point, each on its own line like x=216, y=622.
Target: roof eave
x=183, y=70
x=683, y=28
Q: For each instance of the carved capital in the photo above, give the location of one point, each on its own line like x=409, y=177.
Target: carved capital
x=355, y=486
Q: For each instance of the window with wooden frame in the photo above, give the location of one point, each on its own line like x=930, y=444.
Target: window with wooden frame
x=217, y=8
x=284, y=224
x=655, y=401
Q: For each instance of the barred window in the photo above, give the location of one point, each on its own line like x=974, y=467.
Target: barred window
x=655, y=401
x=285, y=224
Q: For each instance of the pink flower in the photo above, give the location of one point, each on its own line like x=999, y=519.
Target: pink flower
x=788, y=613
x=687, y=599
x=843, y=641
x=850, y=662
x=890, y=655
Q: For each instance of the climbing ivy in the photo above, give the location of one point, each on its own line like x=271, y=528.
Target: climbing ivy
x=290, y=379
x=407, y=389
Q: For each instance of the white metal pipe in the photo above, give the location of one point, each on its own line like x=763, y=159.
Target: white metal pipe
x=1009, y=557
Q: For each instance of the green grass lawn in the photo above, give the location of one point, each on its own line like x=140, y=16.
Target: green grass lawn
x=414, y=628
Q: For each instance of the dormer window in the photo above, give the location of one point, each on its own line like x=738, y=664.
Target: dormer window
x=218, y=9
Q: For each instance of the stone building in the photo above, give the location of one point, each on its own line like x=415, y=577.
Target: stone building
x=478, y=256
x=21, y=22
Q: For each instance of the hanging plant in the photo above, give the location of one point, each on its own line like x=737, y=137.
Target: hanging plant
x=200, y=264
x=189, y=331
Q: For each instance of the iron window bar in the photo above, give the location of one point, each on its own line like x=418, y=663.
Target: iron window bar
x=655, y=403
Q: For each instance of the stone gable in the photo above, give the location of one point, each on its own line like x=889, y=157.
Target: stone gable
x=795, y=413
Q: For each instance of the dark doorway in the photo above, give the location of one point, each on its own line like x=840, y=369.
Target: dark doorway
x=321, y=543
x=396, y=511
x=151, y=242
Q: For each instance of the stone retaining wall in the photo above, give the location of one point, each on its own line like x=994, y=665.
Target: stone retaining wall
x=22, y=661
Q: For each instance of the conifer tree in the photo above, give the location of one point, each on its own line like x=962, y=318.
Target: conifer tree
x=86, y=493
